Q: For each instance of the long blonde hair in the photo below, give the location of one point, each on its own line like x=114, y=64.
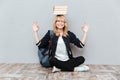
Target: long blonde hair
x=65, y=29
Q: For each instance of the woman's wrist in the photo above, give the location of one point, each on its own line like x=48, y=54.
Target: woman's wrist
x=85, y=32
x=35, y=31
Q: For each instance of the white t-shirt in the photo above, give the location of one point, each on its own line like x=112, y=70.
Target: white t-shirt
x=61, y=52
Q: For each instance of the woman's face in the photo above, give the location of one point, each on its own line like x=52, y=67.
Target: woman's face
x=60, y=23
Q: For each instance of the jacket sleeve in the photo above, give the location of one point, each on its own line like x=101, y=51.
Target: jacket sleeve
x=44, y=41
x=73, y=39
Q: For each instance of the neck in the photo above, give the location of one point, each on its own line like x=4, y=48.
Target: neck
x=60, y=31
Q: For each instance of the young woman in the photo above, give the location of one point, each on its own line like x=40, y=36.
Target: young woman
x=62, y=58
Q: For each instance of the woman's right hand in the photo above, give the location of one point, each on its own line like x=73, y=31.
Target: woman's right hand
x=35, y=27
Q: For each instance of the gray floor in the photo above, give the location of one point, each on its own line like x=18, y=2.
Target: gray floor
x=36, y=72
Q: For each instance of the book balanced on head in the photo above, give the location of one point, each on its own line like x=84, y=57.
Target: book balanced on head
x=60, y=10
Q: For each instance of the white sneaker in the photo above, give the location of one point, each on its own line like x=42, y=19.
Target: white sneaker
x=55, y=69
x=82, y=68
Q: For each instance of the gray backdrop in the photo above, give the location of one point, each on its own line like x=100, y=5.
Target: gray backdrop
x=17, y=44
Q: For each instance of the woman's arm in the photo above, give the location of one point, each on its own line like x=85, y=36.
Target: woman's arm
x=85, y=30
x=36, y=29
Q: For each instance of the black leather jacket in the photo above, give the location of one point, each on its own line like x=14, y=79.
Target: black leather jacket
x=71, y=38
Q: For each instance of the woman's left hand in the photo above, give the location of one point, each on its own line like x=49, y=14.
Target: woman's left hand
x=85, y=28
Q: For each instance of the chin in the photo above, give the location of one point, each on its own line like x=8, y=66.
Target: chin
x=61, y=27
